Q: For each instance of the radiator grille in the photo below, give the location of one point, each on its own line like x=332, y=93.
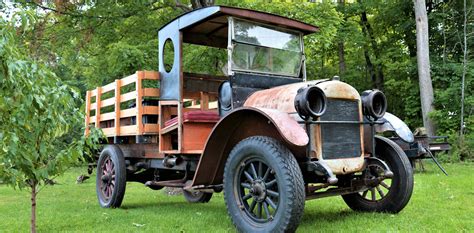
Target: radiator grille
x=340, y=140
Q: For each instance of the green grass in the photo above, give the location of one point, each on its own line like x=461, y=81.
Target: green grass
x=439, y=204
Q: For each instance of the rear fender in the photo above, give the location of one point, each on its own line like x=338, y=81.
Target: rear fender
x=240, y=124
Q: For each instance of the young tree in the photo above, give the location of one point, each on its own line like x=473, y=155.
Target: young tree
x=36, y=113
x=464, y=68
x=423, y=60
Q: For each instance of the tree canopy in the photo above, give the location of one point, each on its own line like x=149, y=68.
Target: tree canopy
x=369, y=44
x=51, y=52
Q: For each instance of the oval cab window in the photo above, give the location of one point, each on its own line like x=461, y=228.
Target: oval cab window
x=168, y=55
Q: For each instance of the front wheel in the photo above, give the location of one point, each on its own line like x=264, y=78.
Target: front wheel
x=111, y=177
x=391, y=194
x=263, y=186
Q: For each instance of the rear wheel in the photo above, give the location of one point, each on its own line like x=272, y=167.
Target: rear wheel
x=197, y=196
x=111, y=177
x=391, y=194
x=263, y=186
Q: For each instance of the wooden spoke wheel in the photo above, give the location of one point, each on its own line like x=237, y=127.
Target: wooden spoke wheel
x=107, y=178
x=258, y=190
x=111, y=177
x=389, y=194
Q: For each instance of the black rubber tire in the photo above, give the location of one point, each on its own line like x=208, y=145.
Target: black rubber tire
x=115, y=154
x=197, y=197
x=290, y=183
x=401, y=186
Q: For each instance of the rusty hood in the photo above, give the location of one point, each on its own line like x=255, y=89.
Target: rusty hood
x=282, y=97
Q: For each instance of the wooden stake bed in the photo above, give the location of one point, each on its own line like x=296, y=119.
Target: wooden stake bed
x=124, y=121
x=132, y=111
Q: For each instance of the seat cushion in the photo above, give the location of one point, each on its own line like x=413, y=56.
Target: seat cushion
x=195, y=116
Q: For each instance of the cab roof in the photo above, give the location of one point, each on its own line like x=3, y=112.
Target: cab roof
x=209, y=25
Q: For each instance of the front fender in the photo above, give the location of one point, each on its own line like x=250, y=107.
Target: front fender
x=395, y=124
x=287, y=126
x=238, y=125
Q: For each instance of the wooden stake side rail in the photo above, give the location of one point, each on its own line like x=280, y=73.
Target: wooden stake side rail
x=120, y=128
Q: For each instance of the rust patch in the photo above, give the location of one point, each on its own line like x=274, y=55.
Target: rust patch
x=344, y=166
x=339, y=90
x=282, y=98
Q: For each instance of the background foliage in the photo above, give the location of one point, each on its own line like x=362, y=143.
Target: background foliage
x=89, y=44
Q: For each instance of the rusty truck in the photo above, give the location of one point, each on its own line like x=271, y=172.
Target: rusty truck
x=262, y=133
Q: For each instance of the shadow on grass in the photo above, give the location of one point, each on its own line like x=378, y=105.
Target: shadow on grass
x=181, y=206
x=433, y=171
x=326, y=217
x=310, y=216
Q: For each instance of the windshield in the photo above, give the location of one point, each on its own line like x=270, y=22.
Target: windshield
x=264, y=49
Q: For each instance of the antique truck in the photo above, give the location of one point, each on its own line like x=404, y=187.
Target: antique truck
x=262, y=133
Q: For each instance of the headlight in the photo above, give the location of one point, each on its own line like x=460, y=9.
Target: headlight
x=374, y=103
x=310, y=102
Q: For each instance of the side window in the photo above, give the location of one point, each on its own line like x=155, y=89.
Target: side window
x=168, y=55
x=204, y=59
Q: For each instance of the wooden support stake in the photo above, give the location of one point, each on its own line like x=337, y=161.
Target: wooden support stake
x=88, y=112
x=138, y=85
x=97, y=110
x=204, y=101
x=117, y=107
x=180, y=127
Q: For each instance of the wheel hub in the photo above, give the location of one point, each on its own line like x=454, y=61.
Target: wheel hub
x=258, y=190
x=374, y=175
x=106, y=178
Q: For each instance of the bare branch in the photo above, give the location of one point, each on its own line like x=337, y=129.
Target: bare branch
x=182, y=6
x=130, y=14
x=63, y=12
x=201, y=3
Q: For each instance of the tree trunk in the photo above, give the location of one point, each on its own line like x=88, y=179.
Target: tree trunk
x=369, y=65
x=340, y=44
x=379, y=81
x=342, y=59
x=376, y=71
x=322, y=62
x=33, y=207
x=423, y=60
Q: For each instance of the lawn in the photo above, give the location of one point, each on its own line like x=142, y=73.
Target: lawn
x=439, y=203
